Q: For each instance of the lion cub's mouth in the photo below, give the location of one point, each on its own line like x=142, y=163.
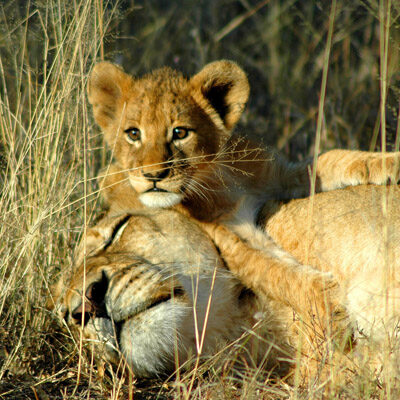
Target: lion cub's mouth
x=156, y=190
x=160, y=198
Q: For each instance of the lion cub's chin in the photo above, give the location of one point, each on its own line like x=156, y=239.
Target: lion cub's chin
x=160, y=199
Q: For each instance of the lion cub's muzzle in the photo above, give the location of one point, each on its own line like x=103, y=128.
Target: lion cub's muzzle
x=160, y=186
x=157, y=175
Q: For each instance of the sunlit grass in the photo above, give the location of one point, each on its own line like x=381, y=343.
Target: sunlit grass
x=47, y=49
x=50, y=152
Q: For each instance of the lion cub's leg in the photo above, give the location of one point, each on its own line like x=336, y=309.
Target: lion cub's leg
x=337, y=169
x=340, y=168
x=273, y=273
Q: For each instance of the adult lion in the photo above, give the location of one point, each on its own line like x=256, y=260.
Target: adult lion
x=156, y=290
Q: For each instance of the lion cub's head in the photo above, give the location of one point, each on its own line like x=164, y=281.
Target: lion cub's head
x=165, y=129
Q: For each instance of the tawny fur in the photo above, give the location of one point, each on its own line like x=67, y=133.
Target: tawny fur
x=355, y=236
x=173, y=144
x=158, y=277
x=353, y=233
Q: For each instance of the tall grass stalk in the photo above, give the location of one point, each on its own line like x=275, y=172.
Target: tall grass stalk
x=318, y=133
x=50, y=153
x=47, y=51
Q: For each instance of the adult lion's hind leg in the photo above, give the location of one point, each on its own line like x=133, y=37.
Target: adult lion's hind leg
x=340, y=168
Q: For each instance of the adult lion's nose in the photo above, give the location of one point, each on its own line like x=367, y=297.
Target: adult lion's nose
x=93, y=303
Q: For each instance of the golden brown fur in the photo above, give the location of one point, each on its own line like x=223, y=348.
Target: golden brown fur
x=355, y=236
x=153, y=282
x=173, y=144
x=145, y=272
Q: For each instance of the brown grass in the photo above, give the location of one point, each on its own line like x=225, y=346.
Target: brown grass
x=50, y=151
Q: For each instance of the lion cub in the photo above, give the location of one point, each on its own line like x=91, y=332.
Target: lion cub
x=174, y=147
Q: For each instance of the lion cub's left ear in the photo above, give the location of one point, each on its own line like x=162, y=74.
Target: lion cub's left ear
x=225, y=87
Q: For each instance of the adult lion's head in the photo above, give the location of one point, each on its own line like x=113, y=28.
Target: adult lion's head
x=154, y=291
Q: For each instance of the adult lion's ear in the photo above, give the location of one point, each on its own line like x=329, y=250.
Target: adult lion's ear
x=100, y=236
x=225, y=87
x=106, y=88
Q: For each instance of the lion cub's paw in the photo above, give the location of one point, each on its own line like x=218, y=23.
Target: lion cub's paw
x=340, y=168
x=328, y=315
x=375, y=168
x=384, y=170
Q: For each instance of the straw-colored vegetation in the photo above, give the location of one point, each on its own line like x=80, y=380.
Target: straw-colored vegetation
x=50, y=150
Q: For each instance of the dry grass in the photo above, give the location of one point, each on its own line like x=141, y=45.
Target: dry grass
x=50, y=152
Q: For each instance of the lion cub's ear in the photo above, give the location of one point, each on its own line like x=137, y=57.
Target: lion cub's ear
x=107, y=89
x=225, y=87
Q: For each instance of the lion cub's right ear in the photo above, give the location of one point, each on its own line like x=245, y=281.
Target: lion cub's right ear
x=108, y=88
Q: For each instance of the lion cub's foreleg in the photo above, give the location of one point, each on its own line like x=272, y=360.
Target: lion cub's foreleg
x=337, y=169
x=273, y=273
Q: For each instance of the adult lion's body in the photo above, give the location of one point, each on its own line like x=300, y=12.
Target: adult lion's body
x=150, y=278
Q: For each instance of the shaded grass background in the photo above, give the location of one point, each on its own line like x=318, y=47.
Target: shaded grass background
x=50, y=150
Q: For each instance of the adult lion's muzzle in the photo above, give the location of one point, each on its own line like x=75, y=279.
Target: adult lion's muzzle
x=92, y=304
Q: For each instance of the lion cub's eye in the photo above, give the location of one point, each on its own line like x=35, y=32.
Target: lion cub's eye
x=132, y=134
x=180, y=133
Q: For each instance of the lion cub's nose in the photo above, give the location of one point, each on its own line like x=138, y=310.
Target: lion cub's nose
x=157, y=175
